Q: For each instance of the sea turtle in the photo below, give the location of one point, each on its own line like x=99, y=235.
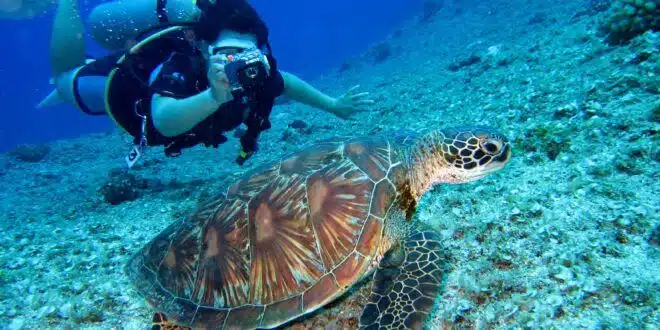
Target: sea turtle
x=292, y=236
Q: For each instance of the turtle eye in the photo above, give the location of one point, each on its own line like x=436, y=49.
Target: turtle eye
x=491, y=147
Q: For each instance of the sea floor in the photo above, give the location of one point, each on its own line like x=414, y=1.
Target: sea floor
x=567, y=236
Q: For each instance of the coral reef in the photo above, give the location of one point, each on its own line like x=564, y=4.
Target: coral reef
x=430, y=9
x=122, y=186
x=380, y=52
x=30, y=153
x=627, y=19
x=464, y=62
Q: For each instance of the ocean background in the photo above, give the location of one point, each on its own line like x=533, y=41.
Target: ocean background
x=567, y=236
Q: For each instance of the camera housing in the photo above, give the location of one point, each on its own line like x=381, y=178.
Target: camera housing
x=247, y=70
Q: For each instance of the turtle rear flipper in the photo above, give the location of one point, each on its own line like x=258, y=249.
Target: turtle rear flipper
x=159, y=322
x=405, y=285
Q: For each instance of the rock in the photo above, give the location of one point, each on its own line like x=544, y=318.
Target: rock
x=554, y=300
x=430, y=9
x=16, y=324
x=654, y=238
x=654, y=113
x=298, y=124
x=591, y=287
x=464, y=62
x=77, y=287
x=122, y=186
x=566, y=111
x=381, y=52
x=345, y=67
x=65, y=311
x=89, y=315
x=538, y=18
x=563, y=274
x=46, y=311
x=30, y=153
x=286, y=135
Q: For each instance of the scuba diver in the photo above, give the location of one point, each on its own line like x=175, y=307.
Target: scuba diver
x=185, y=83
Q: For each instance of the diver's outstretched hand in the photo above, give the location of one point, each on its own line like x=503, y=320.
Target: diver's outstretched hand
x=350, y=103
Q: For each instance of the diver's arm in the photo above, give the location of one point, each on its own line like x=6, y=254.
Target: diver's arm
x=342, y=107
x=299, y=90
x=172, y=116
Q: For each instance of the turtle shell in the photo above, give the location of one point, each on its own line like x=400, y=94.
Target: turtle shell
x=283, y=241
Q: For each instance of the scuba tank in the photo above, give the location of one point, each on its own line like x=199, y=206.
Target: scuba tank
x=116, y=25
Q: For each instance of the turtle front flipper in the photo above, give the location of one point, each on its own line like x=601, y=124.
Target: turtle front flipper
x=405, y=284
x=160, y=322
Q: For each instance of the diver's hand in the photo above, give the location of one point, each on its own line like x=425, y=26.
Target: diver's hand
x=351, y=102
x=219, y=83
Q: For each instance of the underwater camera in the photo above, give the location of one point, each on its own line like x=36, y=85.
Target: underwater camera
x=247, y=70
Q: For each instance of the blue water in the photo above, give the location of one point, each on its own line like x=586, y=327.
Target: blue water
x=308, y=38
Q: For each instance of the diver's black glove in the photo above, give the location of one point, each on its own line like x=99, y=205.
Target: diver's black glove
x=248, y=148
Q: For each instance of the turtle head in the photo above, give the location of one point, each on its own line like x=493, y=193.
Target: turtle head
x=457, y=155
x=472, y=153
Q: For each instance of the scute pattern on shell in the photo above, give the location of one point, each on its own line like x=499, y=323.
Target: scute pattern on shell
x=227, y=227
x=285, y=239
x=339, y=198
x=285, y=255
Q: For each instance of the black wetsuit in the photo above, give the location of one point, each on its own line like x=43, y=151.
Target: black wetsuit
x=185, y=76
